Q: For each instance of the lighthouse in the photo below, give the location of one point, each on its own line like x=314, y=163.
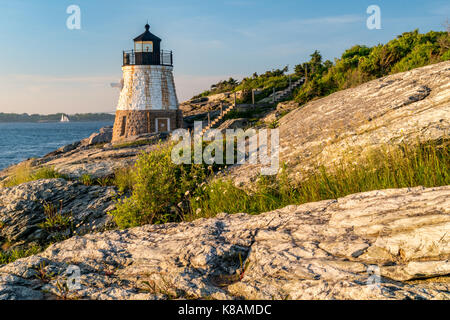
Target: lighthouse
x=148, y=101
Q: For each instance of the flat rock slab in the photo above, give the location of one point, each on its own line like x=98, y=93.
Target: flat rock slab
x=389, y=244
x=22, y=210
x=98, y=162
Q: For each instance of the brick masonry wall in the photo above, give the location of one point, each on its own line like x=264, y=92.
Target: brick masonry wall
x=139, y=122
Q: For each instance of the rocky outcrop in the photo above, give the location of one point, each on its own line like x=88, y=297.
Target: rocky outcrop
x=103, y=136
x=233, y=124
x=403, y=107
x=201, y=105
x=76, y=160
x=22, y=211
x=391, y=244
x=282, y=109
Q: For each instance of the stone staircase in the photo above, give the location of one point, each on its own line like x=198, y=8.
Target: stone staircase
x=283, y=94
x=216, y=120
x=276, y=97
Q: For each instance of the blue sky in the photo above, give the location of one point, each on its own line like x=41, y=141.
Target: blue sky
x=47, y=68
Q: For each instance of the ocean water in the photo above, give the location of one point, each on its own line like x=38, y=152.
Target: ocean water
x=21, y=141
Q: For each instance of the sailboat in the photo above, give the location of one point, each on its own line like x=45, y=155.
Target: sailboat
x=64, y=118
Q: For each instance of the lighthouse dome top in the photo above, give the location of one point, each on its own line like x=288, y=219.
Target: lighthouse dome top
x=147, y=35
x=147, y=51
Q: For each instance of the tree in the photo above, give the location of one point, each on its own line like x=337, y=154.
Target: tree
x=316, y=61
x=300, y=69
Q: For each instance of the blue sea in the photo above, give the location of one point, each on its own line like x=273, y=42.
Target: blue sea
x=21, y=141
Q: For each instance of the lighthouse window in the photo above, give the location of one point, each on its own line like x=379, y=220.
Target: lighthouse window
x=138, y=46
x=146, y=46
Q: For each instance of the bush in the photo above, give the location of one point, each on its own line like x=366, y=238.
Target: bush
x=360, y=64
x=123, y=180
x=160, y=190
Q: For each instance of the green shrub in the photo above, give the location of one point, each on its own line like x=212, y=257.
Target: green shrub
x=160, y=190
x=123, y=179
x=360, y=64
x=446, y=56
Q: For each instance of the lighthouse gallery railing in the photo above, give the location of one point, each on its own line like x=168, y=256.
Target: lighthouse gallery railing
x=163, y=58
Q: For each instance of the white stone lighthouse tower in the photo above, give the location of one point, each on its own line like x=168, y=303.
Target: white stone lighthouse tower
x=148, y=101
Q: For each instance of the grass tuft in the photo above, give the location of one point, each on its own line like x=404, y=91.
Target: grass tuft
x=24, y=173
x=13, y=255
x=55, y=221
x=425, y=165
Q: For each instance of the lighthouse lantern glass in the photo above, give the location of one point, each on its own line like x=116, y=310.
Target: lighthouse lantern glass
x=143, y=46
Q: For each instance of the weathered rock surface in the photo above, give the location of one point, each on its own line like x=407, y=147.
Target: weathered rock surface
x=22, y=210
x=391, y=244
x=103, y=136
x=78, y=161
x=234, y=124
x=402, y=107
x=205, y=104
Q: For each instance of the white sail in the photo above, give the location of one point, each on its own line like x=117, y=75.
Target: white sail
x=64, y=118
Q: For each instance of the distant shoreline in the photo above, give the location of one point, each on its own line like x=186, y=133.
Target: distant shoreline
x=54, y=118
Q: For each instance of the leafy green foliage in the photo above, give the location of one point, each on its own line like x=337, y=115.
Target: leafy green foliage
x=220, y=87
x=360, y=64
x=357, y=65
x=273, y=79
x=160, y=188
x=276, y=79
x=123, y=179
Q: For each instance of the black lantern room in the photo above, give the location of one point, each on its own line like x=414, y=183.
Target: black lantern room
x=147, y=51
